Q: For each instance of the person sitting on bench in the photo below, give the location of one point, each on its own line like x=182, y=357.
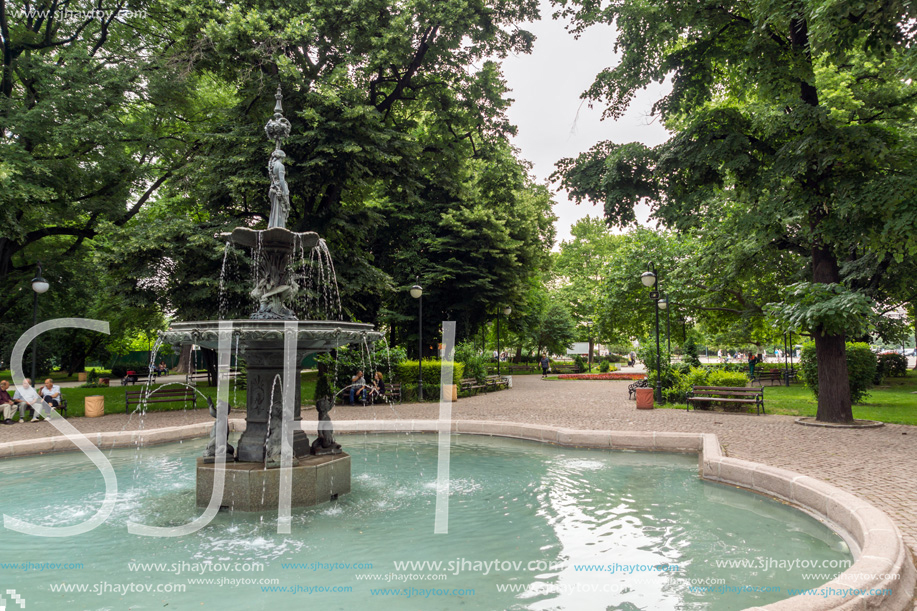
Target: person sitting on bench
x=356, y=385
x=7, y=403
x=27, y=399
x=50, y=393
x=378, y=390
x=161, y=369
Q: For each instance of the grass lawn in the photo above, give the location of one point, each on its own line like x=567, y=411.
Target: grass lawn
x=114, y=396
x=895, y=401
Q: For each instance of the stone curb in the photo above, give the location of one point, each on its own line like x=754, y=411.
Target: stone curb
x=882, y=559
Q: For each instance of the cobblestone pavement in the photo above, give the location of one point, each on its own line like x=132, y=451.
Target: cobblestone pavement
x=877, y=464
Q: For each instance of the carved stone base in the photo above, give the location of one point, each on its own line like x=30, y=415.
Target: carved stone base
x=251, y=487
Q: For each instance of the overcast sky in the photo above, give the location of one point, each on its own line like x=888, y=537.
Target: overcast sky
x=553, y=121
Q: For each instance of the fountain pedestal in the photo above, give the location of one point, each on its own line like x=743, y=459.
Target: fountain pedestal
x=250, y=487
x=264, y=403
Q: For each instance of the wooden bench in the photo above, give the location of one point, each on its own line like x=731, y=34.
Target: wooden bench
x=563, y=368
x=136, y=397
x=511, y=369
x=632, y=388
x=393, y=391
x=705, y=395
x=494, y=382
x=201, y=375
x=772, y=376
x=471, y=385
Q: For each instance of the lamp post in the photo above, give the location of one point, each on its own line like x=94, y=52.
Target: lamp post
x=664, y=304
x=39, y=285
x=506, y=311
x=649, y=280
x=417, y=293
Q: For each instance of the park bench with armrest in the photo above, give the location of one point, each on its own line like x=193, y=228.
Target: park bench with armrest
x=563, y=368
x=136, y=397
x=776, y=375
x=393, y=392
x=495, y=382
x=708, y=396
x=471, y=385
x=632, y=388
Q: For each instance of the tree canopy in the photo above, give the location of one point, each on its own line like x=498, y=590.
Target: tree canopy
x=792, y=137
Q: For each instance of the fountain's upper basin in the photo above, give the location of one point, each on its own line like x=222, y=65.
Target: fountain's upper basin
x=311, y=335
x=275, y=237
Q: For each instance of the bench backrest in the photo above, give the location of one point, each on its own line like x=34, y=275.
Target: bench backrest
x=728, y=389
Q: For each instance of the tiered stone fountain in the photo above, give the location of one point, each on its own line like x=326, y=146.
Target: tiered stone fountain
x=321, y=471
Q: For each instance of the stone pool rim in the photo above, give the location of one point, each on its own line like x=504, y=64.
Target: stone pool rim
x=882, y=560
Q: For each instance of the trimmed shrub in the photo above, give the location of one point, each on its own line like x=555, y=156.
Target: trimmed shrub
x=862, y=367
x=727, y=378
x=891, y=364
x=580, y=363
x=604, y=367
x=406, y=374
x=683, y=380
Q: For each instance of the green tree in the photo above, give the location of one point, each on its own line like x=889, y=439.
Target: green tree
x=794, y=120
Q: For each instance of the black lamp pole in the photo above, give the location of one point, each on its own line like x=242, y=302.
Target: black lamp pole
x=651, y=279
x=498, y=342
x=39, y=285
x=417, y=293
x=420, y=347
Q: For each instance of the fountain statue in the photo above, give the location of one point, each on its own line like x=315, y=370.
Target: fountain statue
x=260, y=341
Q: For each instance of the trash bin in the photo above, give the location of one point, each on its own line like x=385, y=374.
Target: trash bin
x=95, y=406
x=645, y=398
x=509, y=381
x=81, y=376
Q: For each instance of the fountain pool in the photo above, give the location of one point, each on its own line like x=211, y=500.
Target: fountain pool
x=529, y=525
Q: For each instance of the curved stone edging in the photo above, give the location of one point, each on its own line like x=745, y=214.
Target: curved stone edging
x=883, y=561
x=863, y=424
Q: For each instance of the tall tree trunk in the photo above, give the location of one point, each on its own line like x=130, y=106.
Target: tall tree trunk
x=184, y=360
x=831, y=352
x=210, y=364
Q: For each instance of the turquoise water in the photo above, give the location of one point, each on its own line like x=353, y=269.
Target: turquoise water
x=531, y=526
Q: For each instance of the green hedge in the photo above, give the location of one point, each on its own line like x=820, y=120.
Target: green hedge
x=862, y=368
x=406, y=373
x=891, y=364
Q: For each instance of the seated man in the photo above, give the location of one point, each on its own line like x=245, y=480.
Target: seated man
x=27, y=399
x=6, y=403
x=161, y=369
x=50, y=393
x=356, y=385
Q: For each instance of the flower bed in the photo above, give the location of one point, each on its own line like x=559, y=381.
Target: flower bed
x=601, y=376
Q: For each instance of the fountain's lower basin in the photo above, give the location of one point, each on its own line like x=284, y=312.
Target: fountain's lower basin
x=538, y=511
x=248, y=486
